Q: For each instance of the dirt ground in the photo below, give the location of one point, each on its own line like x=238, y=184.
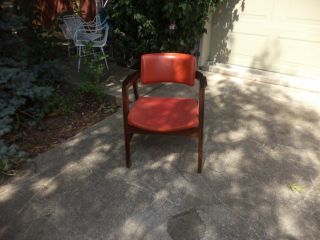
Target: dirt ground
x=56, y=128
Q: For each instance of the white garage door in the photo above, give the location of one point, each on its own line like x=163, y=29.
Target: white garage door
x=274, y=35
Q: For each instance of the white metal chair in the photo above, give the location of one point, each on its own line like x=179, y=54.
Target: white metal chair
x=96, y=35
x=70, y=25
x=66, y=35
x=72, y=22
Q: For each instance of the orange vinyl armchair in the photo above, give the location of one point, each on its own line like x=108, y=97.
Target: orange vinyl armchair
x=158, y=115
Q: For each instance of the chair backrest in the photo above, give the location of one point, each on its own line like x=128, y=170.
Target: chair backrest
x=65, y=31
x=72, y=23
x=104, y=31
x=102, y=41
x=168, y=67
x=100, y=21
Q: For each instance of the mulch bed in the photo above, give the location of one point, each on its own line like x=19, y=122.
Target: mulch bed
x=56, y=128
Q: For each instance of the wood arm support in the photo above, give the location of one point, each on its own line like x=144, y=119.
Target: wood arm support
x=202, y=79
x=132, y=79
x=203, y=84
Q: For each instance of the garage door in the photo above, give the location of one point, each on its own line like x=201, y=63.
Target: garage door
x=275, y=35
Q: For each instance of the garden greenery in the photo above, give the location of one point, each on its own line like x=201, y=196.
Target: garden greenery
x=24, y=76
x=28, y=73
x=156, y=26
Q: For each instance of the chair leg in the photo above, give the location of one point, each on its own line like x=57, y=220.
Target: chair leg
x=200, y=149
x=69, y=48
x=127, y=138
x=105, y=58
x=79, y=58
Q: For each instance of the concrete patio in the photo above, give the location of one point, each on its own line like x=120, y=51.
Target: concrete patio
x=259, y=139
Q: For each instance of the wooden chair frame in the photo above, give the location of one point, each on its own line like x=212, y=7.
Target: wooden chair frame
x=129, y=130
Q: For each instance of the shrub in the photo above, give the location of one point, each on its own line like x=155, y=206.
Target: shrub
x=24, y=77
x=93, y=68
x=156, y=26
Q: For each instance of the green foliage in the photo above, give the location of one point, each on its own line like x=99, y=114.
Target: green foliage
x=91, y=75
x=11, y=156
x=93, y=65
x=58, y=104
x=92, y=72
x=93, y=88
x=157, y=26
x=28, y=75
x=25, y=77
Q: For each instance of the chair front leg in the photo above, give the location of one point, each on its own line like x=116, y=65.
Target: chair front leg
x=127, y=137
x=200, y=150
x=131, y=79
x=69, y=48
x=203, y=84
x=79, y=57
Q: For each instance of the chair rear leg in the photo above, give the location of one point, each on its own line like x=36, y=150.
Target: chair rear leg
x=127, y=138
x=79, y=57
x=200, y=149
x=69, y=48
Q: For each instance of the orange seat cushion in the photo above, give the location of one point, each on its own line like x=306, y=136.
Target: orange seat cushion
x=164, y=114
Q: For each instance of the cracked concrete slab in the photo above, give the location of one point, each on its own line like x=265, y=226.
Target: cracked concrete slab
x=259, y=139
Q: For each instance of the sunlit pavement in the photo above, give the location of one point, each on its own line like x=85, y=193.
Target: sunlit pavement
x=261, y=176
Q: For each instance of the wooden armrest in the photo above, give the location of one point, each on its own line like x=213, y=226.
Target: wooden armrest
x=202, y=80
x=203, y=84
x=130, y=80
